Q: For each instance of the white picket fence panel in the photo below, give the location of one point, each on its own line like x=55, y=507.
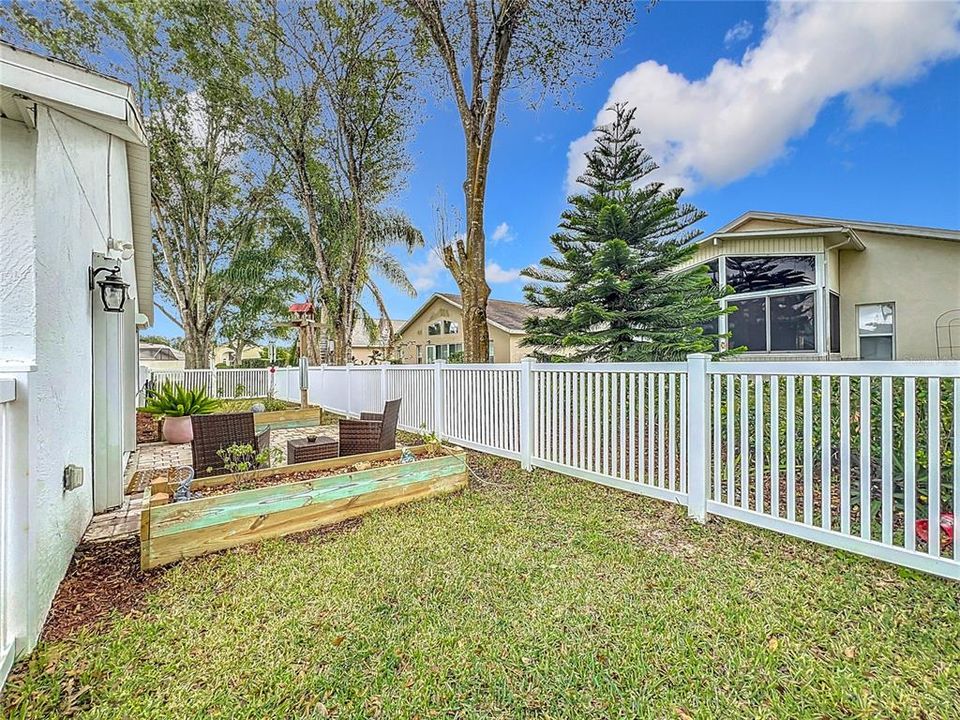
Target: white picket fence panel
x=740, y=440
x=219, y=383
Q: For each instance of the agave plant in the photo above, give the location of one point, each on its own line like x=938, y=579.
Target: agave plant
x=177, y=401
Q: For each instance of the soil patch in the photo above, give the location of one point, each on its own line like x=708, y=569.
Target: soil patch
x=282, y=478
x=102, y=577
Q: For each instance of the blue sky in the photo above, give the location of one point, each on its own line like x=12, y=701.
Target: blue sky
x=839, y=110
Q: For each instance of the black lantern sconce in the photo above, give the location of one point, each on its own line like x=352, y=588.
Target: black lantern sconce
x=113, y=290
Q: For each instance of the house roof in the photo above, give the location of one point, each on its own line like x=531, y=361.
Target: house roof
x=507, y=315
x=156, y=351
x=823, y=224
x=105, y=103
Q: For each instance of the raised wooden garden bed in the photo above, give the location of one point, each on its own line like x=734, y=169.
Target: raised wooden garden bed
x=271, y=508
x=294, y=417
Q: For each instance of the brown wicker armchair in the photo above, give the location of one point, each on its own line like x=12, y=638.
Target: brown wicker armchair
x=372, y=432
x=215, y=432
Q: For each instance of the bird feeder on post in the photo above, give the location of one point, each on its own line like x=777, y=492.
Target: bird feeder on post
x=303, y=321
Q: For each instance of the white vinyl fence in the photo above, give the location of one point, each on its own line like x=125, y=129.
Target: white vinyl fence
x=854, y=455
x=220, y=383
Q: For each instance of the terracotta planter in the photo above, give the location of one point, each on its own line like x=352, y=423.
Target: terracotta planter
x=178, y=430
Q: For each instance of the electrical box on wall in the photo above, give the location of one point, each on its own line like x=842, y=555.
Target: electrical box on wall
x=72, y=477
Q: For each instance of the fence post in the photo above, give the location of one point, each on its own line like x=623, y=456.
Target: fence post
x=438, y=397
x=347, y=380
x=526, y=414
x=698, y=433
x=383, y=384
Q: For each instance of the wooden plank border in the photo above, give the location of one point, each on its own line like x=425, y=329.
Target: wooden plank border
x=171, y=532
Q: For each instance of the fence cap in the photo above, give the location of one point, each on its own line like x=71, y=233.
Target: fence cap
x=699, y=356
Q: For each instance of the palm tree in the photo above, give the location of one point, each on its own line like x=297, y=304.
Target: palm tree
x=385, y=231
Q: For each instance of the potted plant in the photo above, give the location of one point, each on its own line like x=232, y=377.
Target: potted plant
x=176, y=406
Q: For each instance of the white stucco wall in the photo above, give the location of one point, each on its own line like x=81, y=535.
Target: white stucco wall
x=17, y=294
x=54, y=188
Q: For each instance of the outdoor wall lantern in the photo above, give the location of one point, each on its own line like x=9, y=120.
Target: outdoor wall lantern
x=113, y=290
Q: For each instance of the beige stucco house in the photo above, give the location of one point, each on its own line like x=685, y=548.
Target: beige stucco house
x=366, y=349
x=155, y=356
x=436, y=330
x=811, y=287
x=226, y=355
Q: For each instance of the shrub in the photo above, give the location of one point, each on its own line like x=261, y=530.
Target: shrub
x=174, y=400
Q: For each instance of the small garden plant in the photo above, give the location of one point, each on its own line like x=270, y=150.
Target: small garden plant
x=241, y=457
x=174, y=400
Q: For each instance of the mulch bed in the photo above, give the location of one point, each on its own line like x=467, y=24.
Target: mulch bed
x=102, y=577
x=282, y=478
x=148, y=428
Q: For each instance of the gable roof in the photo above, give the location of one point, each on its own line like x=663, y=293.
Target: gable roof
x=823, y=224
x=506, y=315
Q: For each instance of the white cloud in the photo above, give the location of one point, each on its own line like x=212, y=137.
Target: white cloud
x=502, y=233
x=424, y=275
x=742, y=116
x=497, y=274
x=741, y=31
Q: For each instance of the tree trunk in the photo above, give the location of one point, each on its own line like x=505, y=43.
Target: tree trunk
x=471, y=278
x=196, y=349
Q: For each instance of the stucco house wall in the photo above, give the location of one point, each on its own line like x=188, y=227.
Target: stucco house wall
x=76, y=365
x=920, y=274
x=505, y=345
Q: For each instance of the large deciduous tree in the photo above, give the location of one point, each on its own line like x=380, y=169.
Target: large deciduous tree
x=334, y=108
x=485, y=50
x=617, y=284
x=184, y=61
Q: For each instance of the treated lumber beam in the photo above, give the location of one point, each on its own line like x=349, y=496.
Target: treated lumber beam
x=274, y=498
x=193, y=540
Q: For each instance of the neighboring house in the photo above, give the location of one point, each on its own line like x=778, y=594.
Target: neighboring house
x=226, y=355
x=365, y=350
x=75, y=178
x=155, y=356
x=436, y=330
x=810, y=287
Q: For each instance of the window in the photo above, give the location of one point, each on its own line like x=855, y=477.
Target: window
x=779, y=323
x=431, y=353
x=875, y=326
x=419, y=354
x=748, y=324
x=450, y=327
x=834, y=323
x=434, y=328
x=774, y=272
x=490, y=354
x=792, y=326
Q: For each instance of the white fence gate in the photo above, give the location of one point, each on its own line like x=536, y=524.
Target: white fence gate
x=849, y=454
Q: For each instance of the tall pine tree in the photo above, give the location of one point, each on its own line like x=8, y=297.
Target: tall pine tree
x=613, y=282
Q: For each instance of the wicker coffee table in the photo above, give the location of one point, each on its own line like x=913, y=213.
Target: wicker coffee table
x=303, y=450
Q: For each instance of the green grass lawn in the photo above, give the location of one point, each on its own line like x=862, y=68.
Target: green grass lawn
x=525, y=596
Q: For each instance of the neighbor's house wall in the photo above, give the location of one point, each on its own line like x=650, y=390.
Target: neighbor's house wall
x=504, y=344
x=44, y=293
x=221, y=352
x=921, y=276
x=163, y=364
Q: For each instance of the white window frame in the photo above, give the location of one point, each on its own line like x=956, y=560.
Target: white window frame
x=817, y=288
x=892, y=335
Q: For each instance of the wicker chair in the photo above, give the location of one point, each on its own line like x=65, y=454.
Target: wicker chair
x=215, y=432
x=372, y=432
